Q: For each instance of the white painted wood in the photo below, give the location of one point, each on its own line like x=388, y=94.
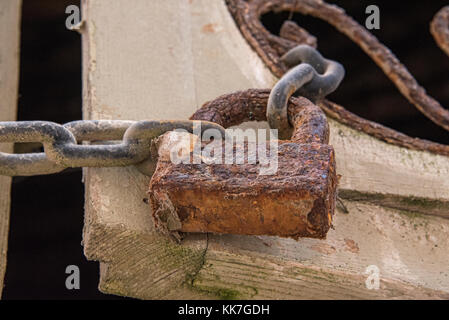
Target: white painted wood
x=10, y=15
x=162, y=60
x=373, y=166
x=408, y=248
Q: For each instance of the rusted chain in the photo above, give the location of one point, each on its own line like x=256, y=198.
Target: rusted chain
x=270, y=48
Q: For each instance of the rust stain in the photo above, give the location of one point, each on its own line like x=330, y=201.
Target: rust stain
x=209, y=28
x=266, y=244
x=324, y=248
x=352, y=246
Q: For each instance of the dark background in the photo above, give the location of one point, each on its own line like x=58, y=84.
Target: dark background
x=47, y=211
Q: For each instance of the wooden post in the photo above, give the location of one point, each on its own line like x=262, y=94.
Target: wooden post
x=163, y=60
x=10, y=13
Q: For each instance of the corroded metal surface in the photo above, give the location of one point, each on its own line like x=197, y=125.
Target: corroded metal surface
x=440, y=29
x=308, y=121
x=270, y=48
x=298, y=201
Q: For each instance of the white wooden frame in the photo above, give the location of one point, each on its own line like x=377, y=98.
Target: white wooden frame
x=163, y=60
x=10, y=17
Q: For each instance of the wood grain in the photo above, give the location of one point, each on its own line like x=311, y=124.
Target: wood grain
x=136, y=69
x=270, y=48
x=409, y=250
x=9, y=78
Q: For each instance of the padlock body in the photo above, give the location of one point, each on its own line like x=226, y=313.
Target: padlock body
x=297, y=201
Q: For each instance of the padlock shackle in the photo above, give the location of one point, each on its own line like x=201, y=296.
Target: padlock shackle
x=307, y=119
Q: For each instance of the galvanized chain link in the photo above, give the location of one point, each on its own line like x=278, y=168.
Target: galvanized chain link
x=125, y=143
x=61, y=148
x=311, y=76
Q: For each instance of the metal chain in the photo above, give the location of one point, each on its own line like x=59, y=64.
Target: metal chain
x=312, y=76
x=63, y=151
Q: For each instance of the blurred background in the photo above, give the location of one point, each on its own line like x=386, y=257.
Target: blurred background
x=47, y=211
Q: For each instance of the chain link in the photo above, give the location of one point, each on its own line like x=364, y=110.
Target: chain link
x=61, y=148
x=311, y=76
x=125, y=143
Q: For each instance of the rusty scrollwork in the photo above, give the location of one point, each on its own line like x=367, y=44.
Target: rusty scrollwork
x=270, y=48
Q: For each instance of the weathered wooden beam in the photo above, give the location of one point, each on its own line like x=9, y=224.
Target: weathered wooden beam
x=145, y=64
x=408, y=249
x=10, y=17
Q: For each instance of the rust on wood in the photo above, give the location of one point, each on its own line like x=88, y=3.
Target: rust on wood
x=298, y=201
x=270, y=48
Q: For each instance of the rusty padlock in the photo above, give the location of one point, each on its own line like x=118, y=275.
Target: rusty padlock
x=297, y=201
